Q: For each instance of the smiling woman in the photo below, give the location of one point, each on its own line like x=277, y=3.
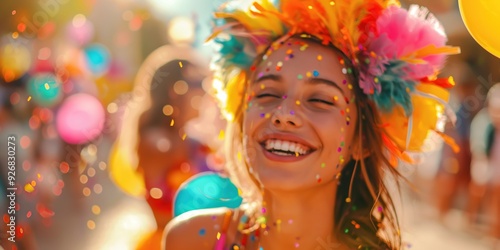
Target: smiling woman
x=323, y=99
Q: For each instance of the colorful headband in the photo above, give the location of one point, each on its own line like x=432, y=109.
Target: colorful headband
x=397, y=52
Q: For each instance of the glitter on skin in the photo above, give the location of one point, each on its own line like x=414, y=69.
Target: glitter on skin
x=319, y=57
x=316, y=74
x=202, y=232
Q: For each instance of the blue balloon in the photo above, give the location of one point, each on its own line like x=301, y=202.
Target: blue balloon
x=98, y=59
x=206, y=190
x=45, y=89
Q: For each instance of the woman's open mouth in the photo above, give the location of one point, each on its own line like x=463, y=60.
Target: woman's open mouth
x=284, y=150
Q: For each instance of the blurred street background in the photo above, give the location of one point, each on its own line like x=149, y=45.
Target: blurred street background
x=109, y=186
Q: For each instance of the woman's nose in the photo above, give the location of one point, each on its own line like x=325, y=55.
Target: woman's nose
x=285, y=117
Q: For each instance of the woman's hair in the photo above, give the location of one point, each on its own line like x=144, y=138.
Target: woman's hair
x=161, y=92
x=364, y=213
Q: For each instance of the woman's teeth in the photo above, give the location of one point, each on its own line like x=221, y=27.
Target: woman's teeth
x=285, y=148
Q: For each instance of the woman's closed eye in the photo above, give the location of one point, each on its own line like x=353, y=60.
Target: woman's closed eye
x=322, y=101
x=267, y=95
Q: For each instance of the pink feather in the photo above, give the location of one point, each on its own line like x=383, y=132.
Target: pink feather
x=415, y=29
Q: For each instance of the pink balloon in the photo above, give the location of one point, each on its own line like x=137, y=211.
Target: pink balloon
x=80, y=119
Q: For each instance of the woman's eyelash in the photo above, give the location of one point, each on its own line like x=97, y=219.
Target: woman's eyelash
x=322, y=101
x=266, y=95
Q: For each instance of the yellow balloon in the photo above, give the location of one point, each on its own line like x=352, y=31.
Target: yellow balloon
x=482, y=19
x=124, y=174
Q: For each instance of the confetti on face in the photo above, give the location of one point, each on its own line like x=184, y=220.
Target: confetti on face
x=323, y=165
x=202, y=232
x=172, y=123
x=180, y=64
x=308, y=74
x=297, y=102
x=319, y=57
x=300, y=77
x=318, y=178
x=315, y=73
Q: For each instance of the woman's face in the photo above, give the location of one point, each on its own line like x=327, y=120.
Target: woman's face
x=300, y=117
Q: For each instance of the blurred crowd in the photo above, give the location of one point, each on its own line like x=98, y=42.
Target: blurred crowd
x=117, y=93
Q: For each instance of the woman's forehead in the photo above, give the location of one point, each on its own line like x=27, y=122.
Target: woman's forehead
x=299, y=48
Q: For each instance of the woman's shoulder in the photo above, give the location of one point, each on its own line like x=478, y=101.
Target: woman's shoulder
x=197, y=229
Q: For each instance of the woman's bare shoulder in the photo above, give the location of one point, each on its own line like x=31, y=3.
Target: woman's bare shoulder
x=196, y=229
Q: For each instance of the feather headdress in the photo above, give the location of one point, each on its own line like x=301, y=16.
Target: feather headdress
x=397, y=52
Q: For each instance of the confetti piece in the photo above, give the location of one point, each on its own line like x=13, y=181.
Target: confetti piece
x=44, y=211
x=221, y=134
x=184, y=136
x=180, y=64
x=13, y=12
x=297, y=102
x=91, y=224
x=202, y=232
x=319, y=57
x=315, y=73
x=29, y=98
x=47, y=86
x=323, y=165
x=96, y=209
x=29, y=188
x=348, y=199
x=172, y=123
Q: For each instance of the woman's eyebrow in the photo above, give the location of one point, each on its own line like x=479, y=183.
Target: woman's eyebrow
x=316, y=80
x=272, y=77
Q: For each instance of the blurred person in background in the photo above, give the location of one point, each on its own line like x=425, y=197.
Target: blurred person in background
x=167, y=98
x=453, y=176
x=485, y=147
